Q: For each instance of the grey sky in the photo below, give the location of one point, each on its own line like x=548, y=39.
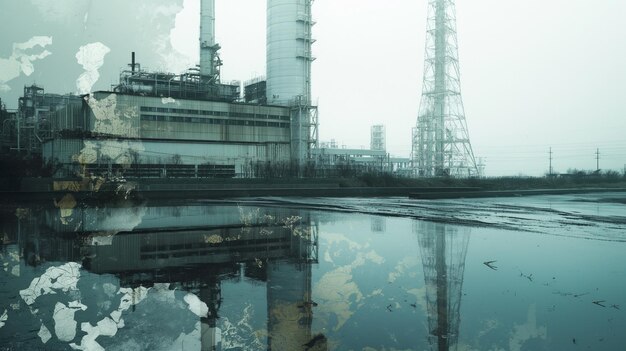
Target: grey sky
x=534, y=73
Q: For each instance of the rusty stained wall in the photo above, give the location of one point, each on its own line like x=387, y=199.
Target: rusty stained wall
x=132, y=116
x=94, y=151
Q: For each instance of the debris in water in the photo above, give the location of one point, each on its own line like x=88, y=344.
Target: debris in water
x=317, y=343
x=490, y=265
x=599, y=303
x=529, y=277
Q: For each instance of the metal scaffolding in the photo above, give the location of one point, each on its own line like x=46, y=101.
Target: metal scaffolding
x=443, y=250
x=441, y=145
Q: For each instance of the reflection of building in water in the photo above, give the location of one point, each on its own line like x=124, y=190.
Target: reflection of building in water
x=379, y=224
x=218, y=243
x=443, y=249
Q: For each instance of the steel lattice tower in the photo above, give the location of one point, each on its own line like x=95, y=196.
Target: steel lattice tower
x=443, y=250
x=441, y=144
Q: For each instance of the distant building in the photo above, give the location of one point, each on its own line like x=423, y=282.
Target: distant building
x=378, y=140
x=26, y=129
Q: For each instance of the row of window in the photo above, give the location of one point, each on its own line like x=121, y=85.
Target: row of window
x=230, y=122
x=212, y=113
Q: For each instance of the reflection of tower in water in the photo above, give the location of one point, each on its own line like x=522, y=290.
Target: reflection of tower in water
x=443, y=249
x=290, y=307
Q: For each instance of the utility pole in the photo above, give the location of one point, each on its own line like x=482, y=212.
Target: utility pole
x=550, y=169
x=598, y=160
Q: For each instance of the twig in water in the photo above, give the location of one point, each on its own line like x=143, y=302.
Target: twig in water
x=490, y=265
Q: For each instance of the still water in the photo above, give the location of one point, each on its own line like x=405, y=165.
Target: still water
x=537, y=273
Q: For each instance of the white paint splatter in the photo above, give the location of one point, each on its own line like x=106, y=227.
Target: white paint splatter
x=169, y=100
x=105, y=327
x=196, y=306
x=4, y=318
x=111, y=120
x=240, y=334
x=64, y=323
x=62, y=278
x=11, y=258
x=91, y=57
x=132, y=297
x=108, y=326
x=21, y=62
x=44, y=334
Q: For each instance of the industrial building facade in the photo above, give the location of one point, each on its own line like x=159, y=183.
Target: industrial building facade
x=111, y=131
x=155, y=124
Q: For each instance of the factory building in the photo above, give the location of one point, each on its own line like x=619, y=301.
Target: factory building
x=144, y=135
x=25, y=129
x=343, y=161
x=192, y=124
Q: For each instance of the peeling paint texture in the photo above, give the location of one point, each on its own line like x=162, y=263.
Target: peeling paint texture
x=64, y=323
x=44, y=334
x=4, y=318
x=196, y=306
x=111, y=120
x=21, y=62
x=91, y=58
x=62, y=278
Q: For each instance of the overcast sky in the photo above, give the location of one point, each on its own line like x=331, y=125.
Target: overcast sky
x=535, y=73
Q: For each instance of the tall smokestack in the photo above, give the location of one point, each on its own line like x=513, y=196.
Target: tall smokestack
x=209, y=61
x=289, y=58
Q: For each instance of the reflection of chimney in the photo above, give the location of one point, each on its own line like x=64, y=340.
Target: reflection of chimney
x=289, y=305
x=211, y=335
x=209, y=61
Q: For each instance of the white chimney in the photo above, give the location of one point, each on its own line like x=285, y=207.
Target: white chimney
x=208, y=47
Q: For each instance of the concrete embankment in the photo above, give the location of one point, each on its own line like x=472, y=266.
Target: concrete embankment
x=45, y=189
x=224, y=191
x=432, y=195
